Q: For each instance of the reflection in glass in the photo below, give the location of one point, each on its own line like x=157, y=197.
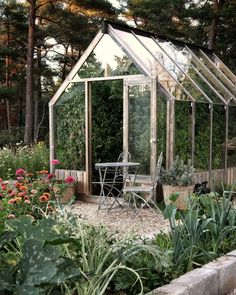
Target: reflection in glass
x=107, y=59
x=70, y=127
x=218, y=137
x=139, y=126
x=231, y=144
x=183, y=130
x=202, y=136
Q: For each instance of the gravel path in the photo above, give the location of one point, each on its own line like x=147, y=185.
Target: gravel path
x=146, y=224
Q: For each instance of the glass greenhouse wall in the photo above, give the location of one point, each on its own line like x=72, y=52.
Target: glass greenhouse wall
x=139, y=92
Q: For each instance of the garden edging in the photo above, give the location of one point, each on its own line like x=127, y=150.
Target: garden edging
x=215, y=278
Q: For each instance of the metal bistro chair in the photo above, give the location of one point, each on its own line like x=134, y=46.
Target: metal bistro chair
x=145, y=194
x=124, y=156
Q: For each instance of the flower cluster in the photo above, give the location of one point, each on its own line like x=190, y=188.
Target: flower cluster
x=27, y=195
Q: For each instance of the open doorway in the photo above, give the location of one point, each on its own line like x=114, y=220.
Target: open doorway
x=107, y=124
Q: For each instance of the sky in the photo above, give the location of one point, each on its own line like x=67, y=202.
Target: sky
x=115, y=3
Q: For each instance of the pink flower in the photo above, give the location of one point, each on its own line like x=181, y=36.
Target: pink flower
x=13, y=193
x=11, y=201
x=27, y=201
x=69, y=179
x=51, y=175
x=55, y=162
x=20, y=171
x=1, y=180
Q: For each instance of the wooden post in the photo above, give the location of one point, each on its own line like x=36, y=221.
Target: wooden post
x=88, y=136
x=226, y=142
x=170, y=133
x=125, y=116
x=210, y=144
x=153, y=126
x=51, y=136
x=193, y=123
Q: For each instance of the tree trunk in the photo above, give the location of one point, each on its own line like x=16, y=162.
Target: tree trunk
x=8, y=77
x=38, y=96
x=28, y=138
x=218, y=4
x=213, y=33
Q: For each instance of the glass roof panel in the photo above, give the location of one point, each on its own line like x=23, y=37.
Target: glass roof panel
x=220, y=65
x=209, y=75
x=217, y=72
x=173, y=68
x=107, y=59
x=182, y=57
x=136, y=49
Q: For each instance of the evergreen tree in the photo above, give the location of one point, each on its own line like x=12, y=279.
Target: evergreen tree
x=209, y=23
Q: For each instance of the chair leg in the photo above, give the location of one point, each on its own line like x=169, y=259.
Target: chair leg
x=145, y=203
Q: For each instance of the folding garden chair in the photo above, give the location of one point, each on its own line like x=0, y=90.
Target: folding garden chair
x=144, y=194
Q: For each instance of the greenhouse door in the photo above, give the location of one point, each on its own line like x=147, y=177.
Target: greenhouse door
x=139, y=137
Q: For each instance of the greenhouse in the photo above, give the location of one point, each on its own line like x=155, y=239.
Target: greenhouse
x=142, y=93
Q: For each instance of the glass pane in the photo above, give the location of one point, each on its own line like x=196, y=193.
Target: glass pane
x=202, y=136
x=70, y=127
x=137, y=49
x=107, y=59
x=183, y=130
x=175, y=71
x=231, y=145
x=161, y=125
x=139, y=126
x=218, y=137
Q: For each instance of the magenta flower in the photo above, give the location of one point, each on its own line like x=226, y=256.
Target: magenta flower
x=51, y=175
x=55, y=162
x=20, y=171
x=69, y=179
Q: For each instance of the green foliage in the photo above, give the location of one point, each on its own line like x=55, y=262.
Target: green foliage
x=107, y=109
x=38, y=261
x=31, y=159
x=11, y=138
x=69, y=257
x=70, y=127
x=203, y=232
x=178, y=174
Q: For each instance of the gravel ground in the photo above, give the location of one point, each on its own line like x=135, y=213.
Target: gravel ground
x=122, y=221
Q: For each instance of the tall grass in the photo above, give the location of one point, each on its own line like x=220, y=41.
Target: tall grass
x=31, y=159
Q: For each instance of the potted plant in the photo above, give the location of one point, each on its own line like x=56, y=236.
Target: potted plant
x=177, y=183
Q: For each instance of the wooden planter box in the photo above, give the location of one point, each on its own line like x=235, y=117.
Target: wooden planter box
x=184, y=193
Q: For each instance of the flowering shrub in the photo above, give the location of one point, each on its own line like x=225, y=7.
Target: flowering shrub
x=33, y=159
x=33, y=196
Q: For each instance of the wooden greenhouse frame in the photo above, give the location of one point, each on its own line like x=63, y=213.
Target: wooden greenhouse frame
x=176, y=70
